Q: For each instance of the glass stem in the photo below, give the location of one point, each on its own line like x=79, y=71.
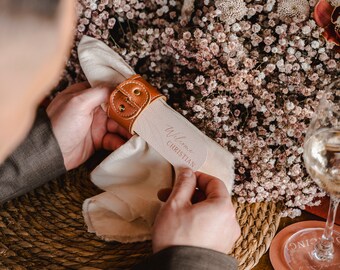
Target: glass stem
x=324, y=248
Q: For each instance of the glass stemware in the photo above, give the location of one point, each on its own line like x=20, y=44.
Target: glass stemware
x=317, y=248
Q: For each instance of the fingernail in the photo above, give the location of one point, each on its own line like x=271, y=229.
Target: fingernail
x=185, y=173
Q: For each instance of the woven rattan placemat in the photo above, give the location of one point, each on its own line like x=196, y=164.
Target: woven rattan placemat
x=45, y=229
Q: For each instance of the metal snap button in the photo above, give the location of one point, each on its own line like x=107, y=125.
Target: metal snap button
x=136, y=92
x=121, y=108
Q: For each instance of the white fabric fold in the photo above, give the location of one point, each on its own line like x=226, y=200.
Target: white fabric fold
x=101, y=64
x=132, y=175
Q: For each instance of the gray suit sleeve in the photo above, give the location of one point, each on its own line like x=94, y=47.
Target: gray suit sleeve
x=188, y=258
x=37, y=160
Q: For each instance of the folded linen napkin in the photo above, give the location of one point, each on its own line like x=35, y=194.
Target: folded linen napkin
x=132, y=175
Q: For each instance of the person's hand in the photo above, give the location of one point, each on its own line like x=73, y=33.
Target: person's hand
x=209, y=223
x=81, y=126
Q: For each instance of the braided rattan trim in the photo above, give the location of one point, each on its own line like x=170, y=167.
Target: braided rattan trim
x=45, y=229
x=259, y=223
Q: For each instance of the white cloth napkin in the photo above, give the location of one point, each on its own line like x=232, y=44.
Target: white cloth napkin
x=132, y=175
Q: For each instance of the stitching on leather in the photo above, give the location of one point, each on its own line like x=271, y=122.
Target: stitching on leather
x=155, y=97
x=130, y=118
x=131, y=123
x=129, y=101
x=116, y=109
x=121, y=88
x=142, y=85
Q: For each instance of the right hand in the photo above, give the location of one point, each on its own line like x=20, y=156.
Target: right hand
x=210, y=223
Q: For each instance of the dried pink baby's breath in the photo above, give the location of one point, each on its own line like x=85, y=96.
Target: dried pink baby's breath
x=249, y=77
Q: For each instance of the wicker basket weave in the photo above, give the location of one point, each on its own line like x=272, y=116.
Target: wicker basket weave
x=45, y=229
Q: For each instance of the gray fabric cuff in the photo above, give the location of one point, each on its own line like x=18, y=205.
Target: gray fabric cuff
x=37, y=160
x=187, y=258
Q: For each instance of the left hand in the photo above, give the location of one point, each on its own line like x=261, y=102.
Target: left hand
x=81, y=126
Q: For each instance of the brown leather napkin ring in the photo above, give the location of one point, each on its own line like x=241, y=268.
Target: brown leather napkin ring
x=129, y=99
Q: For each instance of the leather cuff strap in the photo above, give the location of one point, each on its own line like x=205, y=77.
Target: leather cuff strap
x=129, y=99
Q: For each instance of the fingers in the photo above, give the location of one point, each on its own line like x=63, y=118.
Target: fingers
x=211, y=186
x=112, y=141
x=81, y=97
x=163, y=194
x=93, y=97
x=198, y=196
x=76, y=87
x=184, y=187
x=114, y=127
x=98, y=127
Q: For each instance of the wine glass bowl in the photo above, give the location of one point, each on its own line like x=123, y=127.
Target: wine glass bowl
x=320, y=248
x=322, y=142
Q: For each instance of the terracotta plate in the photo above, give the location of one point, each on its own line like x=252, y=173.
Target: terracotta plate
x=276, y=249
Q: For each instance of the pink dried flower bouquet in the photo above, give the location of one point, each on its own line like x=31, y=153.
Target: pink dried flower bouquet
x=250, y=76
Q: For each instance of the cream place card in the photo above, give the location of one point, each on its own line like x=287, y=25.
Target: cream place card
x=171, y=135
